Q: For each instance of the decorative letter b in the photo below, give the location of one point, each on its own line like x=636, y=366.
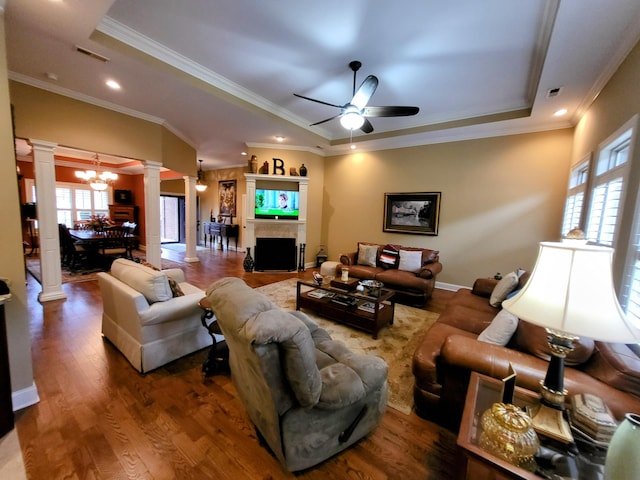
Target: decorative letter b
x=278, y=166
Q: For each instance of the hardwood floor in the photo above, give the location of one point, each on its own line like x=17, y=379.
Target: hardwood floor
x=98, y=418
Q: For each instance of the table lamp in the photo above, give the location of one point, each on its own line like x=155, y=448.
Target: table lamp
x=571, y=294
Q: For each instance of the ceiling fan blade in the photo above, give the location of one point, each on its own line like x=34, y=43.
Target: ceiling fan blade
x=365, y=92
x=389, y=111
x=325, y=120
x=366, y=126
x=317, y=101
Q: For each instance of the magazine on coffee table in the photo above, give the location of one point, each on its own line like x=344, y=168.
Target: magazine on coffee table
x=320, y=294
x=369, y=307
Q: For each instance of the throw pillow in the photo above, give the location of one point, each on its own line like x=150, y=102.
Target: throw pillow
x=500, y=330
x=504, y=287
x=410, y=260
x=149, y=265
x=176, y=291
x=389, y=257
x=367, y=254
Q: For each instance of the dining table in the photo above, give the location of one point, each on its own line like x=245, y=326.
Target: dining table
x=96, y=241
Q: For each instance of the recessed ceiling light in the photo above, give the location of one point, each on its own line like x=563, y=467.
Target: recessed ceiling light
x=113, y=84
x=353, y=146
x=279, y=138
x=561, y=112
x=243, y=153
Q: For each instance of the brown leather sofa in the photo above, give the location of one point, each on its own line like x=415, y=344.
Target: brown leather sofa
x=411, y=287
x=450, y=351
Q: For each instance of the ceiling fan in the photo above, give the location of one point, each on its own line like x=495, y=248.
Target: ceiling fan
x=354, y=114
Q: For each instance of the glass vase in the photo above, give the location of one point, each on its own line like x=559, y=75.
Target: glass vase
x=248, y=262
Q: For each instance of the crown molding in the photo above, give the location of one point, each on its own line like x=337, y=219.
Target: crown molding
x=122, y=33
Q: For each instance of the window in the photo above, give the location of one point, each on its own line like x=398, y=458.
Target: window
x=76, y=202
x=595, y=198
x=575, y=196
x=608, y=189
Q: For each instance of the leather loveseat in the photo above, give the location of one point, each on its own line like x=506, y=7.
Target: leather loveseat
x=409, y=271
x=450, y=351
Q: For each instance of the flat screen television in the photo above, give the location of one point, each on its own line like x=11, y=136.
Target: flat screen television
x=277, y=204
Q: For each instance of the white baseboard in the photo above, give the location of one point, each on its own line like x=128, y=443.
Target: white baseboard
x=449, y=286
x=25, y=398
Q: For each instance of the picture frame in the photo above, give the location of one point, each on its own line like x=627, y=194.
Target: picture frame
x=416, y=212
x=227, y=197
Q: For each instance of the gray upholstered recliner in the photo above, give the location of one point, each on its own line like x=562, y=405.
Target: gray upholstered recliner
x=308, y=396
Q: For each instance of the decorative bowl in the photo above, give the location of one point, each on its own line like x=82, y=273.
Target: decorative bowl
x=507, y=432
x=373, y=286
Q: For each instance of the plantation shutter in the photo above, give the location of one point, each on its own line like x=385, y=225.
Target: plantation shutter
x=604, y=212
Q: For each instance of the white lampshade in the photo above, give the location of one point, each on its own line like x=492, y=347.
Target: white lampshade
x=571, y=290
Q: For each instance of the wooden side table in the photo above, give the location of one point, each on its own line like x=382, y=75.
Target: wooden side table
x=218, y=358
x=483, y=392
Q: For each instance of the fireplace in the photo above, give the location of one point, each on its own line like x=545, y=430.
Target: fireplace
x=275, y=254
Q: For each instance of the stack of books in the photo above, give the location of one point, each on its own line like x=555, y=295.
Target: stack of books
x=591, y=416
x=344, y=300
x=369, y=307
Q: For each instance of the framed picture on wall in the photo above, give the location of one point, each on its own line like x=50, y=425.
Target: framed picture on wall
x=227, y=197
x=416, y=212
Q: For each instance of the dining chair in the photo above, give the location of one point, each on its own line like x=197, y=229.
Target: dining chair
x=71, y=251
x=118, y=242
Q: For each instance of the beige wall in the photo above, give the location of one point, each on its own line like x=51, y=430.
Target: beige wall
x=618, y=102
x=55, y=118
x=500, y=197
x=11, y=255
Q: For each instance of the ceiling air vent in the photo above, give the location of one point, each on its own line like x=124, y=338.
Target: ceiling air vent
x=91, y=54
x=554, y=92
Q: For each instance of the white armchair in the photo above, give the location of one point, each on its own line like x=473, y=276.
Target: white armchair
x=143, y=319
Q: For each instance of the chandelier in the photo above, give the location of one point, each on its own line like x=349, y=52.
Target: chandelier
x=201, y=185
x=97, y=180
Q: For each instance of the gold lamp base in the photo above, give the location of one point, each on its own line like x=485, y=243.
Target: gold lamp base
x=549, y=422
x=548, y=419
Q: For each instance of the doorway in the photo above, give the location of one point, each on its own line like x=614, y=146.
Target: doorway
x=172, y=219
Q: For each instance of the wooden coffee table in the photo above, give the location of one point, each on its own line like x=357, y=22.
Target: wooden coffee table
x=321, y=299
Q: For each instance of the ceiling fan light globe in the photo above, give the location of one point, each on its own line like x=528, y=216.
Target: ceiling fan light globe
x=351, y=120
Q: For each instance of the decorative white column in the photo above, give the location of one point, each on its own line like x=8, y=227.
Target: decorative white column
x=249, y=237
x=152, y=212
x=45, y=179
x=190, y=219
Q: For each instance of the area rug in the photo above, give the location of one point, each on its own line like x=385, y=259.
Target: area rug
x=33, y=267
x=11, y=461
x=395, y=343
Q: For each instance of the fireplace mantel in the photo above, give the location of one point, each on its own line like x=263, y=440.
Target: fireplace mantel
x=275, y=228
